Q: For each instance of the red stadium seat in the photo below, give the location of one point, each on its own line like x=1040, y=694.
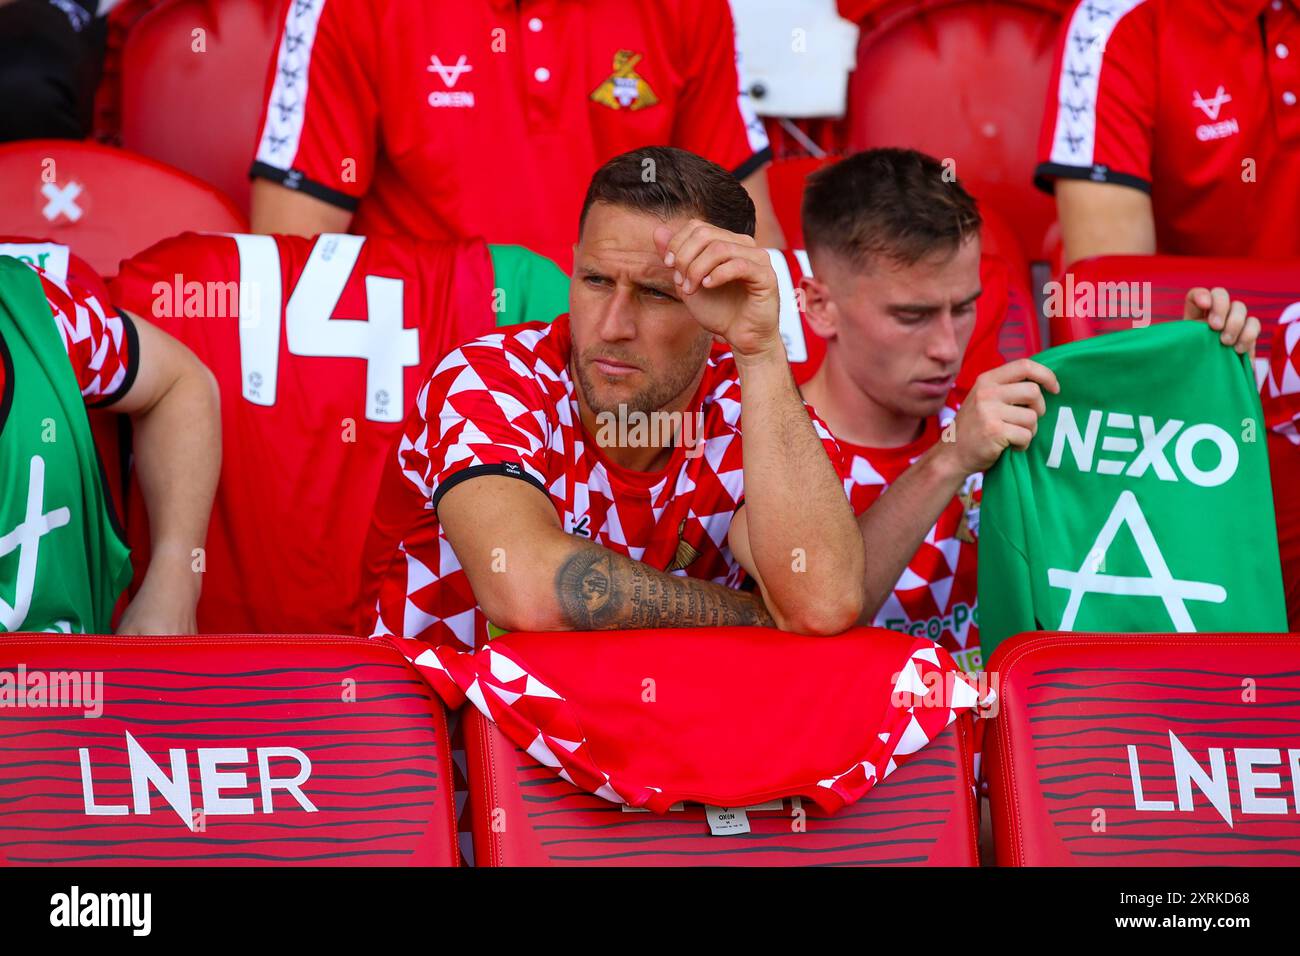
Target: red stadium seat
x=199, y=111
x=785, y=182
x=105, y=204
x=236, y=751
x=1146, y=750
x=965, y=79
x=924, y=814
x=1268, y=288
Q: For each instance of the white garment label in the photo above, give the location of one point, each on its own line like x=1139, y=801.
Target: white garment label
x=724, y=821
x=48, y=256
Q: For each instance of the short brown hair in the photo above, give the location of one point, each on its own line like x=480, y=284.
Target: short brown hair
x=892, y=202
x=668, y=182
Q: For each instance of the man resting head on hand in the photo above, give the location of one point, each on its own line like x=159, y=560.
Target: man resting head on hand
x=605, y=471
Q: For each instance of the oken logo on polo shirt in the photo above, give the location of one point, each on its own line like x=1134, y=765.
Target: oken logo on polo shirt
x=1216, y=128
x=450, y=74
x=1124, y=453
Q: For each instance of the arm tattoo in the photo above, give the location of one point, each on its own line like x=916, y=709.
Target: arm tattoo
x=600, y=590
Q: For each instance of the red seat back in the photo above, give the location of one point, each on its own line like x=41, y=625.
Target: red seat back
x=967, y=80
x=1268, y=288
x=199, y=111
x=1146, y=750
x=105, y=204
x=524, y=815
x=224, y=718
x=785, y=182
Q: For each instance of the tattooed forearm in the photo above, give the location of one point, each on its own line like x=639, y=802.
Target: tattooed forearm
x=598, y=590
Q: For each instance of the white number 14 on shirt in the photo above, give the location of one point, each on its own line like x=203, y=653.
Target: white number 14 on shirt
x=380, y=340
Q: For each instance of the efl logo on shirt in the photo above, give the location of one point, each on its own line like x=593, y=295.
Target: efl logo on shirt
x=1216, y=128
x=450, y=74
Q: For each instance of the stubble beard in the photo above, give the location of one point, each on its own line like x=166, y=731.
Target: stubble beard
x=654, y=396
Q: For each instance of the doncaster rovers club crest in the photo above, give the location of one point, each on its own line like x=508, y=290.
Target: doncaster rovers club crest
x=625, y=88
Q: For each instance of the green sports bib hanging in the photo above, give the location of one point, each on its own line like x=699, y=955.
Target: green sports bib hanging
x=1143, y=503
x=62, y=564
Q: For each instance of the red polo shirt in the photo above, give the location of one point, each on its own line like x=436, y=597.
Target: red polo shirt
x=1196, y=102
x=448, y=119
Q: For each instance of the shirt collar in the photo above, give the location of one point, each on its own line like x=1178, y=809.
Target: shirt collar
x=1239, y=13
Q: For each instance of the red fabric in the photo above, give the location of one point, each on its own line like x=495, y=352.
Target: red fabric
x=504, y=405
x=1171, y=97
x=58, y=262
x=457, y=118
x=725, y=716
x=302, y=464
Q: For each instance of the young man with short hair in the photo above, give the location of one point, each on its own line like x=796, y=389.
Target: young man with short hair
x=894, y=246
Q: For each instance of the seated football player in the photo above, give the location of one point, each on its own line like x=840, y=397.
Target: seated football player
x=63, y=562
x=615, y=469
x=894, y=247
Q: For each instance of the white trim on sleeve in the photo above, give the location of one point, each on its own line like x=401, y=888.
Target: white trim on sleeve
x=1074, y=142
x=287, y=105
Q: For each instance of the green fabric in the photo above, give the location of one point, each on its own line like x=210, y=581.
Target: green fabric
x=62, y=564
x=1045, y=510
x=531, y=287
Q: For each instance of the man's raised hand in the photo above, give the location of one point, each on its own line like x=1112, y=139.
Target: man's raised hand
x=727, y=283
x=1002, y=409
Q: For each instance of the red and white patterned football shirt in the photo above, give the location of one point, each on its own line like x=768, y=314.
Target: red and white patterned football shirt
x=504, y=404
x=936, y=595
x=100, y=341
x=1280, y=389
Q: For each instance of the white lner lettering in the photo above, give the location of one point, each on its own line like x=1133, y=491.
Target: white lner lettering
x=1215, y=783
x=174, y=784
